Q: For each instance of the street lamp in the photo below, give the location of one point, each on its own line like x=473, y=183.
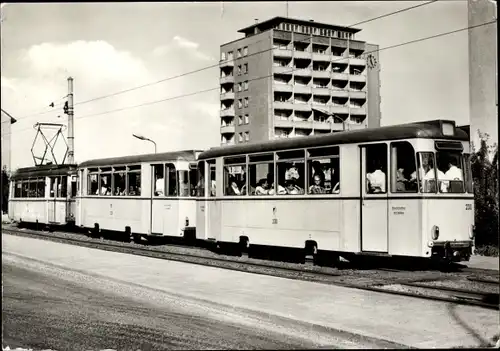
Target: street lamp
x=331, y=115
x=144, y=138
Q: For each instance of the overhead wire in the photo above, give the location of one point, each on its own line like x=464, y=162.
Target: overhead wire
x=233, y=60
x=292, y=70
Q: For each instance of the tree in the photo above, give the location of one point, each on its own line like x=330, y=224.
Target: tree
x=485, y=177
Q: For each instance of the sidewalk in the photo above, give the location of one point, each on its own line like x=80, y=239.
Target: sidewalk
x=399, y=319
x=483, y=262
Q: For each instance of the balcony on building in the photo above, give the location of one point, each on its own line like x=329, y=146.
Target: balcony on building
x=358, y=95
x=302, y=72
x=339, y=110
x=227, y=141
x=227, y=80
x=226, y=63
x=301, y=99
x=357, y=86
x=302, y=89
x=356, y=110
x=338, y=67
x=339, y=76
x=357, y=78
x=283, y=123
x=321, y=70
x=320, y=52
x=227, y=95
x=322, y=125
x=282, y=88
x=227, y=112
x=357, y=61
x=339, y=93
x=301, y=107
x=338, y=49
x=288, y=70
x=227, y=129
x=280, y=53
x=302, y=132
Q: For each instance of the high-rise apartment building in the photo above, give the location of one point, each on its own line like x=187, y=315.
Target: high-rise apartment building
x=291, y=77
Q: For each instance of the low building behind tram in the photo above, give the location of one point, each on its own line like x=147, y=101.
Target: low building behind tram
x=151, y=195
x=364, y=192
x=44, y=195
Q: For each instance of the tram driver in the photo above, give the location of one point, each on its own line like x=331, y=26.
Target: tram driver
x=376, y=179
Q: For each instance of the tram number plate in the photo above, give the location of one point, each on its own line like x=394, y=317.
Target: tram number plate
x=468, y=207
x=275, y=220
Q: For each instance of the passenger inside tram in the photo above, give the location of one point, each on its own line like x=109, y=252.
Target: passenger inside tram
x=233, y=188
x=292, y=188
x=184, y=187
x=376, y=180
x=318, y=185
x=159, y=186
x=262, y=187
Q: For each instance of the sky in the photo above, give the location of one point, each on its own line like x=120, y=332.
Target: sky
x=111, y=47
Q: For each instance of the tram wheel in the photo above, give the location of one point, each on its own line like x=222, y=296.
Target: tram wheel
x=127, y=234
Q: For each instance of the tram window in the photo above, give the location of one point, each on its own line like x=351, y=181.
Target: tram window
x=450, y=163
x=74, y=185
x=235, y=176
x=200, y=184
x=290, y=173
x=426, y=172
x=17, y=190
x=32, y=188
x=40, y=187
x=261, y=177
x=62, y=187
x=324, y=175
x=183, y=186
x=193, y=175
x=402, y=167
x=92, y=186
x=468, y=174
x=376, y=169
x=120, y=187
x=159, y=180
x=105, y=184
x=24, y=188
x=171, y=180
x=212, y=178
x=134, y=180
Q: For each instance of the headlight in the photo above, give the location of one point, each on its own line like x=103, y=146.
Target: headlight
x=187, y=222
x=435, y=232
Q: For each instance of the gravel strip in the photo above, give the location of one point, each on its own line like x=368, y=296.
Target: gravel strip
x=464, y=284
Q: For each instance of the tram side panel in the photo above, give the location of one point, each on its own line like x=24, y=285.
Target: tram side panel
x=406, y=227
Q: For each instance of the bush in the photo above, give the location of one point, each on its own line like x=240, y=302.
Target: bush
x=485, y=177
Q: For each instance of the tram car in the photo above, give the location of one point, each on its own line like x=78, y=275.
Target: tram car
x=403, y=190
x=44, y=195
x=143, y=196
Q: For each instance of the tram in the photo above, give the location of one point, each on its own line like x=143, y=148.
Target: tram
x=44, y=195
x=143, y=196
x=403, y=190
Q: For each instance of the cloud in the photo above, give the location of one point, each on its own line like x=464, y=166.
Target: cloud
x=185, y=46
x=99, y=69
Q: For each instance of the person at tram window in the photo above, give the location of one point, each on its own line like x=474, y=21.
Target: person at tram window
x=400, y=180
x=184, y=187
x=262, y=187
x=159, y=186
x=318, y=185
x=453, y=173
x=292, y=188
x=376, y=179
x=212, y=188
x=233, y=189
x=292, y=172
x=131, y=191
x=118, y=191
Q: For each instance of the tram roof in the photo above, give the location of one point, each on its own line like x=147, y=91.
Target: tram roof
x=189, y=155
x=425, y=130
x=43, y=171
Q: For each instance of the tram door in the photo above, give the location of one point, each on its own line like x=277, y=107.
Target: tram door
x=374, y=198
x=54, y=183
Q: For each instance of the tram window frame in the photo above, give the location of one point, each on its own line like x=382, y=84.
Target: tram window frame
x=240, y=178
x=261, y=159
x=286, y=160
x=469, y=185
x=212, y=178
x=24, y=188
x=171, y=178
x=375, y=163
x=106, y=173
x=40, y=187
x=158, y=168
x=32, y=184
x=450, y=186
x=426, y=187
x=200, y=179
x=193, y=179
x=90, y=190
x=74, y=185
x=62, y=188
x=18, y=185
x=400, y=187
x=182, y=176
x=134, y=170
x=119, y=175
x=331, y=156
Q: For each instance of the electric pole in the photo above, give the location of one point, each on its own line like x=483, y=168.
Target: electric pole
x=70, y=112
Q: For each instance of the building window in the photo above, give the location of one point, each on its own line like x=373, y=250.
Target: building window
x=247, y=136
x=245, y=68
x=240, y=104
x=230, y=55
x=223, y=56
x=245, y=85
x=240, y=137
x=238, y=53
x=245, y=51
x=246, y=102
x=239, y=87
x=246, y=119
x=240, y=120
x=239, y=70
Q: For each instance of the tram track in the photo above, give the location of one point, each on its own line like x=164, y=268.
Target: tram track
x=408, y=286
